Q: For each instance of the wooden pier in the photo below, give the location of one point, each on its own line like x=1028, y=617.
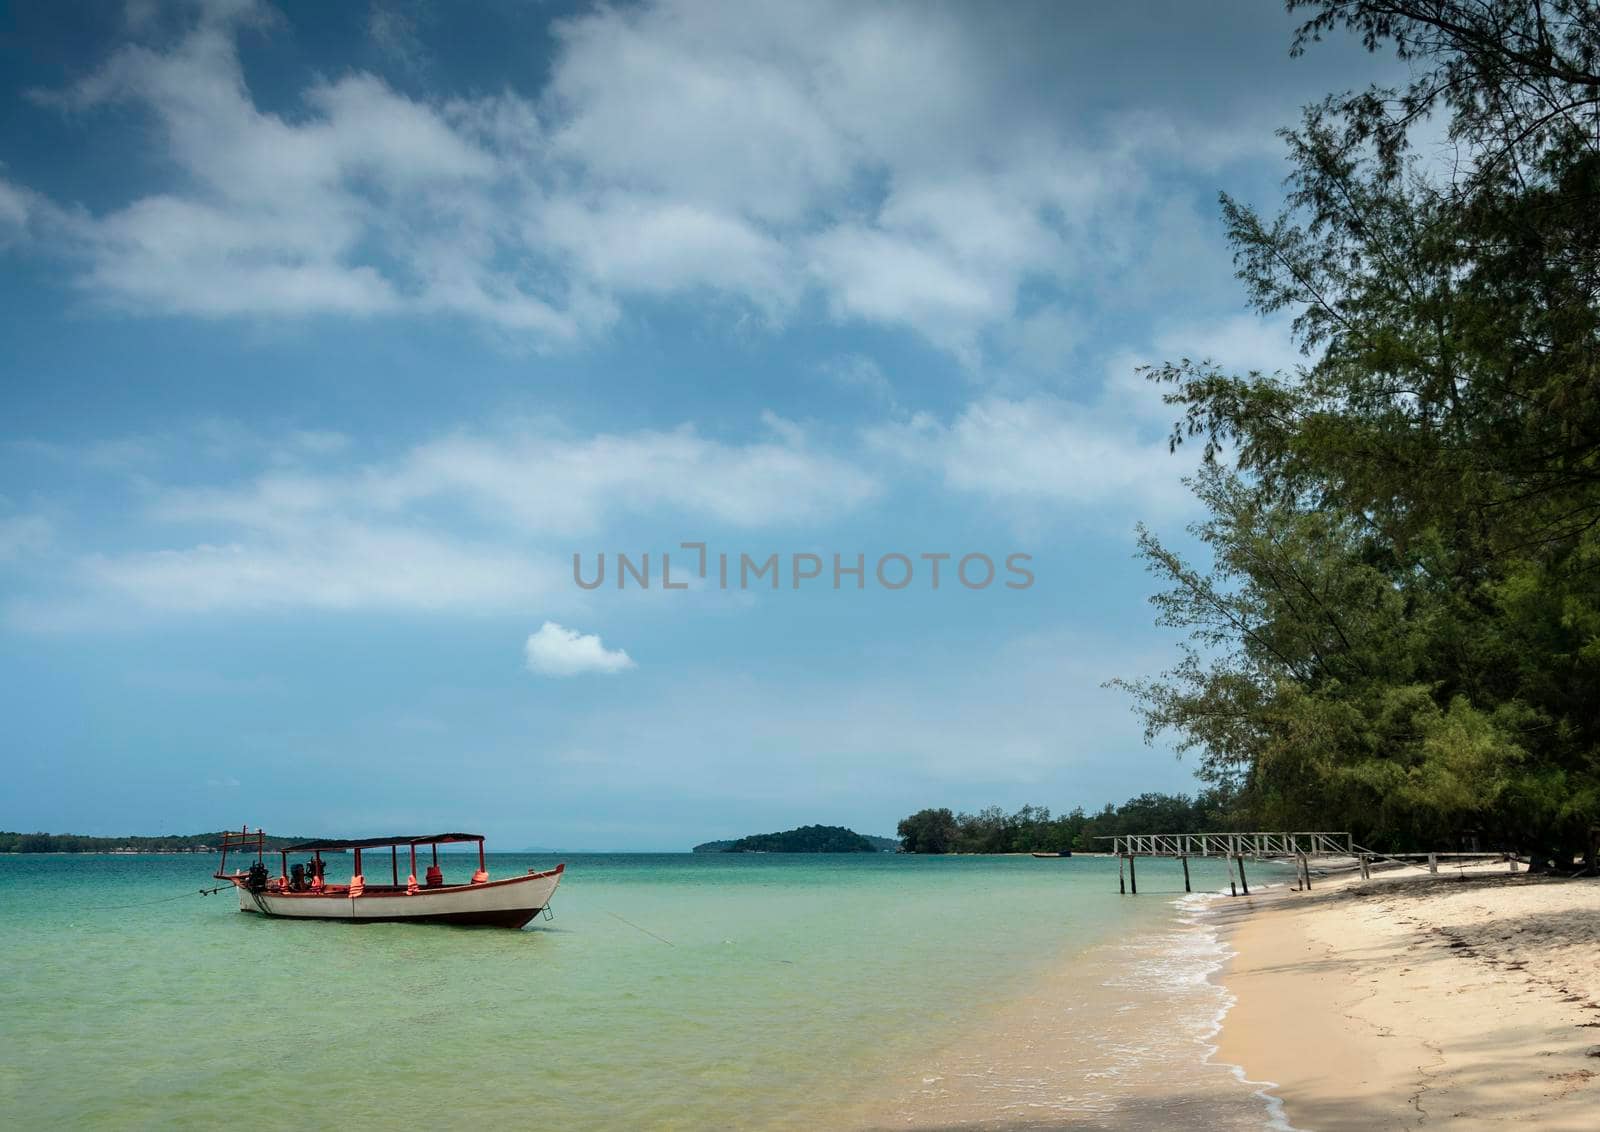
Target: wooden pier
x=1301, y=848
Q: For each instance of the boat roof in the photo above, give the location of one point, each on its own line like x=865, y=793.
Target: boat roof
x=370, y=842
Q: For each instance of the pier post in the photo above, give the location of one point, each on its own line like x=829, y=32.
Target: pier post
x=1233, y=889
x=1305, y=863
x=1243, y=883
x=1433, y=862
x=1133, y=877
x=1122, y=881
x=1185, y=861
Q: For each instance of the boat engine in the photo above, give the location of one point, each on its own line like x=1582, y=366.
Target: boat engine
x=256, y=879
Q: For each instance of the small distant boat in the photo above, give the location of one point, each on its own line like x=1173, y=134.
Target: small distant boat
x=1061, y=853
x=299, y=892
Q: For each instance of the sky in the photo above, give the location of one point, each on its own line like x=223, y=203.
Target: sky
x=333, y=334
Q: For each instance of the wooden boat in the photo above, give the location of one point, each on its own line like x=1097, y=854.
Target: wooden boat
x=300, y=891
x=1062, y=853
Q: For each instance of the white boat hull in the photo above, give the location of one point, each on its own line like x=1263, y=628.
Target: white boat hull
x=509, y=903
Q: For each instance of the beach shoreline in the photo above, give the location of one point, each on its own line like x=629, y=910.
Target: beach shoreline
x=1469, y=998
x=1118, y=1036
x=1472, y=1000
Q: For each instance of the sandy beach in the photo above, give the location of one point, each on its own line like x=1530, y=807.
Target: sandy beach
x=1417, y=999
x=1470, y=999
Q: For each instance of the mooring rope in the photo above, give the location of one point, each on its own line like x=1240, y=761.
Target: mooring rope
x=636, y=927
x=669, y=943
x=169, y=899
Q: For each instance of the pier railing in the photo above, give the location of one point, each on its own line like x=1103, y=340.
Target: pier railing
x=1300, y=848
x=1260, y=845
x=1232, y=847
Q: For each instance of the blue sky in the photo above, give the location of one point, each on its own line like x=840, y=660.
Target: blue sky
x=332, y=333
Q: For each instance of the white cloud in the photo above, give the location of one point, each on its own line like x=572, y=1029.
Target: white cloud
x=630, y=242
x=169, y=254
x=1044, y=341
x=880, y=276
x=558, y=651
x=1242, y=342
x=713, y=104
x=1042, y=451
x=393, y=30
x=860, y=373
x=1111, y=450
x=1239, y=343
x=330, y=566
x=536, y=480
x=368, y=203
x=878, y=157
x=23, y=535
x=1034, y=706
x=464, y=522
x=16, y=207
x=318, y=442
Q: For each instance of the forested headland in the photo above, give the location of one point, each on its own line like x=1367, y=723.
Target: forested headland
x=80, y=843
x=1392, y=617
x=806, y=839
x=1032, y=829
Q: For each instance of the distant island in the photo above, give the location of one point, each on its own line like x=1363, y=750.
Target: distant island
x=806, y=839
x=82, y=843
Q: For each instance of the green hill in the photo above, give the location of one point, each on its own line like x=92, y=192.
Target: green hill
x=81, y=843
x=806, y=839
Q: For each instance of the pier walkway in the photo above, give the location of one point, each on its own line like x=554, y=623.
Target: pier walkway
x=1301, y=848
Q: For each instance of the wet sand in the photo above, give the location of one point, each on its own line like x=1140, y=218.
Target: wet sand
x=1468, y=999
x=1414, y=999
x=1117, y=1038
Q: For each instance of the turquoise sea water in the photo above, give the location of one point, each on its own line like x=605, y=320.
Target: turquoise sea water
x=779, y=989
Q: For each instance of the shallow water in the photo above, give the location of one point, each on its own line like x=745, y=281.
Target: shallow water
x=774, y=991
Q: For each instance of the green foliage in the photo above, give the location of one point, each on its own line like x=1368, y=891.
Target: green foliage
x=928, y=831
x=806, y=839
x=1032, y=830
x=79, y=843
x=1399, y=629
